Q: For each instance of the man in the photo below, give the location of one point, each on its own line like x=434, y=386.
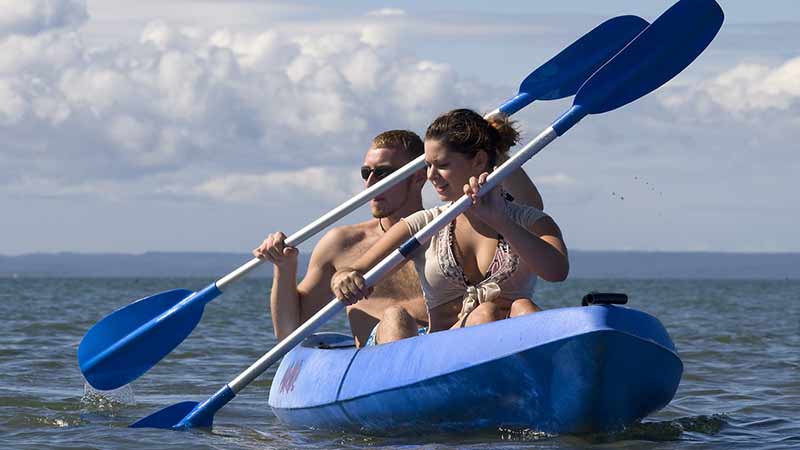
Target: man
x=292, y=304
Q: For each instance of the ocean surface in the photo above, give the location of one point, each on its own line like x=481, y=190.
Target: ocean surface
x=739, y=341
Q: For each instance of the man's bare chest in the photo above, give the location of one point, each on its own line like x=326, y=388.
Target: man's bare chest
x=401, y=284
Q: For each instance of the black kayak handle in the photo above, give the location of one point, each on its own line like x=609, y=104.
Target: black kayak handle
x=604, y=298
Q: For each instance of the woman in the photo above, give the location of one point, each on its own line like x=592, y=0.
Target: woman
x=481, y=267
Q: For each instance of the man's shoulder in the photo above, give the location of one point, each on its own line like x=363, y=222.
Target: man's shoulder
x=345, y=236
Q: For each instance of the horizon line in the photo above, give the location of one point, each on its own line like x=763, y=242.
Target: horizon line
x=579, y=250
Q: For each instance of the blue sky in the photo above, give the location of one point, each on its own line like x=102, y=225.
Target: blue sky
x=203, y=125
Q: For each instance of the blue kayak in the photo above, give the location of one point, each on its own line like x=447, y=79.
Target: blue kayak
x=593, y=368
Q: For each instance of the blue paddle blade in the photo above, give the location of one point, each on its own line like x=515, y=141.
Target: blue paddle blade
x=131, y=340
x=185, y=415
x=659, y=53
x=564, y=73
x=169, y=417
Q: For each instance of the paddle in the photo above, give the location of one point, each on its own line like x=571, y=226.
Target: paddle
x=131, y=340
x=660, y=52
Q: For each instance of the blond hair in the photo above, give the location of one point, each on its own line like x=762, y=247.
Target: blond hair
x=405, y=140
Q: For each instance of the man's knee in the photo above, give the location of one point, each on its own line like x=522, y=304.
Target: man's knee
x=396, y=324
x=396, y=314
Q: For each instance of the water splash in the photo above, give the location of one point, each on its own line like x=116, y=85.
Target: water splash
x=710, y=425
x=109, y=402
x=57, y=422
x=670, y=430
x=523, y=435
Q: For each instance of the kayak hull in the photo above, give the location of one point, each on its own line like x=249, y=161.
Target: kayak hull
x=568, y=370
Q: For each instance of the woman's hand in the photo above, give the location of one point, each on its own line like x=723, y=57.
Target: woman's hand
x=275, y=250
x=349, y=286
x=491, y=207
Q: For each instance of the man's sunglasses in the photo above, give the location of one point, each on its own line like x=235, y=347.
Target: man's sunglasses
x=380, y=172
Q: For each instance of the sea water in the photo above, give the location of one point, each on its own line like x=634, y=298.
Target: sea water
x=739, y=341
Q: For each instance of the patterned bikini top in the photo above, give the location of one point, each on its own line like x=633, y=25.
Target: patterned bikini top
x=444, y=281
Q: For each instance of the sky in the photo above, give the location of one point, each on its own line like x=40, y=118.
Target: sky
x=203, y=125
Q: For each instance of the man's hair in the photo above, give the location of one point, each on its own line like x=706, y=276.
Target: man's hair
x=405, y=140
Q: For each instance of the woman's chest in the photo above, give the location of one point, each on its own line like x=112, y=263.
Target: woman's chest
x=472, y=253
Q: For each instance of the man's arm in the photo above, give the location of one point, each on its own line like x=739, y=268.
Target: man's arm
x=291, y=304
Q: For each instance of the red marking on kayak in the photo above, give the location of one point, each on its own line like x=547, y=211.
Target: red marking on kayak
x=289, y=378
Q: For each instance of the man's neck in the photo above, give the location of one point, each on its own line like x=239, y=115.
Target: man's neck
x=406, y=210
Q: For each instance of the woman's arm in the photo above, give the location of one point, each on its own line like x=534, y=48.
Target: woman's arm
x=541, y=247
x=521, y=187
x=348, y=283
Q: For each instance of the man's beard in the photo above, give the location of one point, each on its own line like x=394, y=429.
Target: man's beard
x=381, y=213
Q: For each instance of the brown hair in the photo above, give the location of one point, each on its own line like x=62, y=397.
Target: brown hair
x=466, y=132
x=405, y=140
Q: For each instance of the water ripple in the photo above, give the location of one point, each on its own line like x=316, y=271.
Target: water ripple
x=739, y=341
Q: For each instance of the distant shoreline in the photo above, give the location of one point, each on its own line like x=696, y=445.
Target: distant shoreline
x=584, y=264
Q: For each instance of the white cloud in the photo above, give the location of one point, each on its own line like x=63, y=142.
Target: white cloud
x=12, y=105
x=424, y=85
x=331, y=185
x=747, y=88
x=387, y=12
x=43, y=54
x=190, y=98
x=174, y=106
x=31, y=17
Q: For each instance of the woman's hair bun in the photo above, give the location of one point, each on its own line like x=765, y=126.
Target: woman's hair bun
x=508, y=136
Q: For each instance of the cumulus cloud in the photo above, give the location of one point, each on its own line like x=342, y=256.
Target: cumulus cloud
x=747, y=88
x=387, y=12
x=322, y=183
x=182, y=99
x=12, y=105
x=31, y=17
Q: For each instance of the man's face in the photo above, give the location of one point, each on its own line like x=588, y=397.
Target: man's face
x=392, y=200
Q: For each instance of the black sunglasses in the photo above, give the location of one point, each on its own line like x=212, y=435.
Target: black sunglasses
x=380, y=172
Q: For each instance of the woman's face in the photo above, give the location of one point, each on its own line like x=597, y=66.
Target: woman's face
x=449, y=171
